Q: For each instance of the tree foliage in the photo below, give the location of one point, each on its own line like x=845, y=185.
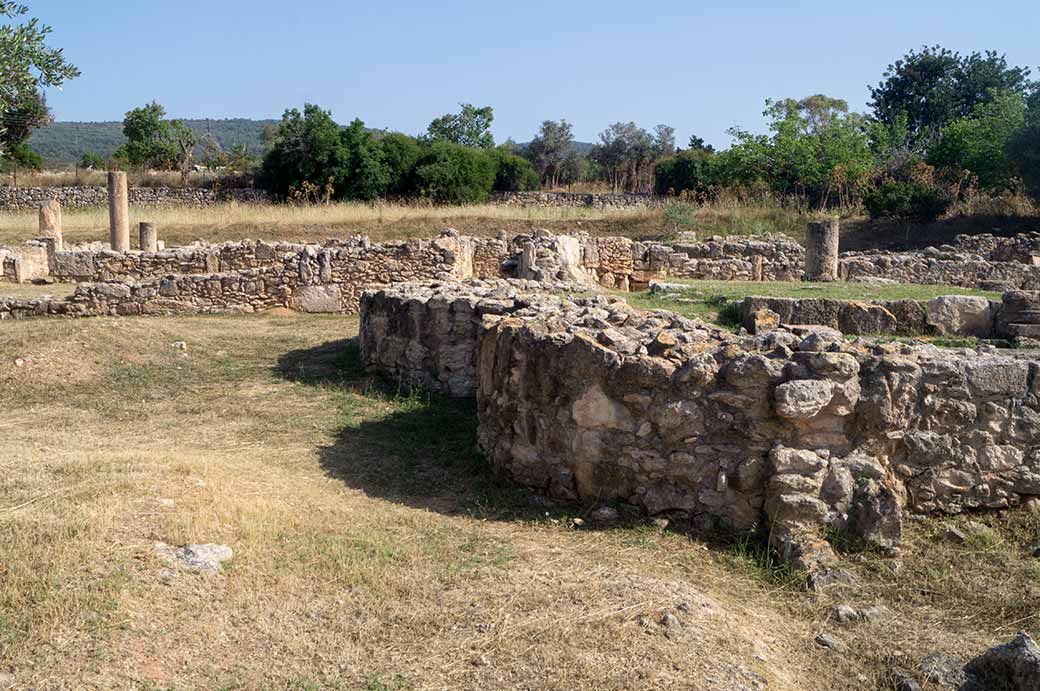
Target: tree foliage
x=549, y=150
x=627, y=154
x=471, y=127
x=935, y=86
x=149, y=140
x=27, y=63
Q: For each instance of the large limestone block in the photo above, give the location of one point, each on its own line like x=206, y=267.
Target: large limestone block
x=961, y=315
x=318, y=299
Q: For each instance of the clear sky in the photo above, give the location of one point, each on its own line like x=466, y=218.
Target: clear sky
x=700, y=67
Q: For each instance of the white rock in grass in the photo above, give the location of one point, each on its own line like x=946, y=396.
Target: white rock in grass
x=206, y=558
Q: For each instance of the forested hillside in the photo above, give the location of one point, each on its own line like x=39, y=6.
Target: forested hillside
x=66, y=142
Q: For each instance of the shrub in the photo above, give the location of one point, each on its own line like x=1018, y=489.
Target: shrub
x=513, y=173
x=452, y=174
x=399, y=152
x=92, y=160
x=906, y=199
x=691, y=174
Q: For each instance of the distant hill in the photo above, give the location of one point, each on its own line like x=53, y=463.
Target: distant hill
x=66, y=142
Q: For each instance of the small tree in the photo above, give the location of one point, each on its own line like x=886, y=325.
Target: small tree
x=27, y=63
x=149, y=138
x=185, y=139
x=471, y=126
x=92, y=161
x=549, y=149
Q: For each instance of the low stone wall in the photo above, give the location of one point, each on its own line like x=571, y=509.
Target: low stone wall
x=956, y=315
x=597, y=402
x=575, y=199
x=308, y=278
x=13, y=198
x=426, y=335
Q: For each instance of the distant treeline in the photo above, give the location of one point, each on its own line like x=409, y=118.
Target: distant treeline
x=68, y=142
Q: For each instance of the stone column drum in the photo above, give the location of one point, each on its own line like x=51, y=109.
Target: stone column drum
x=50, y=222
x=149, y=237
x=821, y=251
x=118, y=211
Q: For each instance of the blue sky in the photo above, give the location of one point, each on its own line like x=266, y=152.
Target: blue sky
x=700, y=67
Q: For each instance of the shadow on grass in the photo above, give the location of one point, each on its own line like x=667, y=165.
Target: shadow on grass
x=406, y=445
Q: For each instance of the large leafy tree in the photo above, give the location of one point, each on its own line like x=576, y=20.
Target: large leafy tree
x=627, y=154
x=27, y=63
x=471, y=126
x=980, y=143
x=1024, y=147
x=933, y=87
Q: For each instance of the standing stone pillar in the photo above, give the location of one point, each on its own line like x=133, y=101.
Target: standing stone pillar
x=149, y=237
x=821, y=251
x=118, y=211
x=50, y=222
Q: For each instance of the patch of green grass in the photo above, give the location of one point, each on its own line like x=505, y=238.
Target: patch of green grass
x=376, y=683
x=753, y=554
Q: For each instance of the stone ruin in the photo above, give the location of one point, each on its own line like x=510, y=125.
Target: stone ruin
x=586, y=399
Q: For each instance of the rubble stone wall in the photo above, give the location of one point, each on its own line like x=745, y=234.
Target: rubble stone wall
x=575, y=199
x=591, y=400
x=13, y=198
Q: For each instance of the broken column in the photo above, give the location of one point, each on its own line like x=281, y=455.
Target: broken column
x=118, y=211
x=50, y=222
x=821, y=250
x=149, y=237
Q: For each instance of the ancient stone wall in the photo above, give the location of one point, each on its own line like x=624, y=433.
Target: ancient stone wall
x=590, y=400
x=12, y=198
x=249, y=276
x=575, y=199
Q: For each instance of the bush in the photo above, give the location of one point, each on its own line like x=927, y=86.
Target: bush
x=513, y=173
x=93, y=161
x=906, y=199
x=452, y=174
x=399, y=152
x=691, y=174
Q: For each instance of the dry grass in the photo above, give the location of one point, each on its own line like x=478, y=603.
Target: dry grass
x=82, y=177
x=30, y=290
x=178, y=225
x=372, y=548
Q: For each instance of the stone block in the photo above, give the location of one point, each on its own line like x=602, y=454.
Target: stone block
x=962, y=315
x=327, y=298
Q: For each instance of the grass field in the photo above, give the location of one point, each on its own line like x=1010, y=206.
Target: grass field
x=178, y=226
x=373, y=549
x=707, y=299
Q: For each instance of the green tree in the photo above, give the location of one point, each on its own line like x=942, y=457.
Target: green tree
x=935, y=86
x=306, y=149
x=16, y=125
x=149, y=140
x=471, y=126
x=399, y=153
x=27, y=63
x=817, y=151
x=981, y=143
x=549, y=149
x=1024, y=147
x=92, y=161
x=691, y=173
x=513, y=173
x=366, y=177
x=452, y=174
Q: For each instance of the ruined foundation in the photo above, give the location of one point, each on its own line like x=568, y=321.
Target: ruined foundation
x=589, y=400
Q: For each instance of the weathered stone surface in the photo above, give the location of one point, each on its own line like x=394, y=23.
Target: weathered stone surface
x=1014, y=666
x=962, y=315
x=206, y=558
x=893, y=317
x=327, y=298
x=587, y=399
